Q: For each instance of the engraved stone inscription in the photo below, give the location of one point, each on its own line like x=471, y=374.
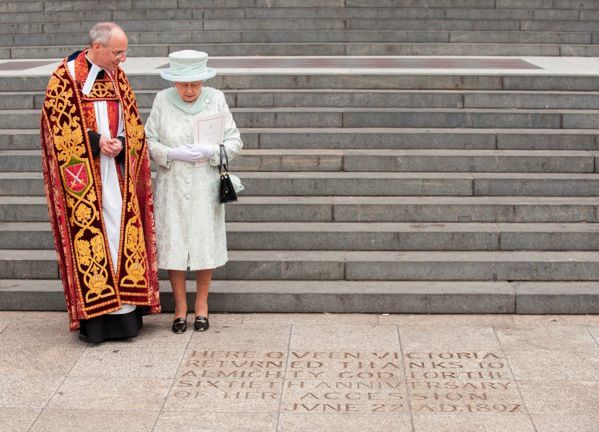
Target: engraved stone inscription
x=477, y=382
x=241, y=381
x=346, y=382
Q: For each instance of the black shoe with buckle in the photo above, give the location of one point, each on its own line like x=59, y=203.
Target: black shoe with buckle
x=201, y=323
x=179, y=326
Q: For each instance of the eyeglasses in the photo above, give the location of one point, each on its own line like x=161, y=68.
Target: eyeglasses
x=118, y=54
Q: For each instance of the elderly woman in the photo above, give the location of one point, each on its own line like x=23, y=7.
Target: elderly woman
x=190, y=220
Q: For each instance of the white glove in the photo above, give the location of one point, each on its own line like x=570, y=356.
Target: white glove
x=190, y=153
x=204, y=150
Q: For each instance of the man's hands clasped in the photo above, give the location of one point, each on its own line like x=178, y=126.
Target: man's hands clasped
x=190, y=153
x=110, y=146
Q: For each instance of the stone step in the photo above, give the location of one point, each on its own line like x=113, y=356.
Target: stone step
x=376, y=160
x=324, y=49
x=375, y=118
x=540, y=4
x=363, y=265
x=366, y=236
x=311, y=183
x=481, y=297
x=361, y=99
x=296, y=12
x=506, y=209
x=302, y=80
x=314, y=36
x=380, y=138
x=292, y=23
x=309, y=24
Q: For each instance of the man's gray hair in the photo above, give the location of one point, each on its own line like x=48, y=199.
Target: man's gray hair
x=101, y=32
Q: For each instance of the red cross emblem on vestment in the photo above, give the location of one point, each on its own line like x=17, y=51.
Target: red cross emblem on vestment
x=76, y=177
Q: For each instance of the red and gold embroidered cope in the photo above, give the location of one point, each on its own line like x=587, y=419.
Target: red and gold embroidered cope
x=93, y=284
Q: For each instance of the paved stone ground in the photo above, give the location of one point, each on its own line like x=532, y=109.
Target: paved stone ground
x=305, y=372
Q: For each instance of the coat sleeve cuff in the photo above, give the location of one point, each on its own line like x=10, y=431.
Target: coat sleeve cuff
x=94, y=141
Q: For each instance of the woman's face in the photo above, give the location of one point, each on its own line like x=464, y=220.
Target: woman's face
x=189, y=91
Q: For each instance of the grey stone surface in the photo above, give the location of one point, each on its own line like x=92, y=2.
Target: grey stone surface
x=559, y=397
x=419, y=112
x=287, y=265
x=346, y=99
x=18, y=6
x=370, y=236
x=129, y=362
x=18, y=419
x=28, y=392
x=119, y=394
x=549, y=237
x=528, y=266
x=469, y=161
x=287, y=296
x=47, y=361
x=563, y=141
x=574, y=83
x=465, y=209
x=564, y=298
x=314, y=362
x=452, y=119
x=36, y=265
x=14, y=209
x=555, y=423
x=474, y=422
x=546, y=337
x=516, y=37
x=215, y=422
x=68, y=420
x=582, y=120
x=453, y=49
x=512, y=14
x=380, y=184
x=376, y=138
x=535, y=184
x=532, y=100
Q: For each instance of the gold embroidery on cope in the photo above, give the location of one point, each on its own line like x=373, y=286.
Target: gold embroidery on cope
x=75, y=172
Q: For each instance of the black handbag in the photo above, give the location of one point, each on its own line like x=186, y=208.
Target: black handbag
x=227, y=192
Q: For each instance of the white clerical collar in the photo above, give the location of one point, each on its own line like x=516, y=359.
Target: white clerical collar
x=91, y=77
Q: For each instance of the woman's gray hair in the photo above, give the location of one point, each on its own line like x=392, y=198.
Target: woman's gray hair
x=101, y=32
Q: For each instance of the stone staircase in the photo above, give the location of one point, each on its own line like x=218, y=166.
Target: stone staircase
x=48, y=29
x=374, y=192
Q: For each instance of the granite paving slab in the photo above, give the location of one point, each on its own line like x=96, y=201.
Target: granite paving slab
x=119, y=394
x=39, y=360
x=22, y=391
x=355, y=337
x=555, y=365
x=119, y=362
x=243, y=337
x=594, y=331
x=448, y=338
x=18, y=419
x=38, y=332
x=94, y=420
x=578, y=338
x=345, y=422
x=474, y=423
x=555, y=397
x=297, y=372
x=566, y=422
x=171, y=421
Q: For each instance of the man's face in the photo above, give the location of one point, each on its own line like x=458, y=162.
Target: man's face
x=109, y=56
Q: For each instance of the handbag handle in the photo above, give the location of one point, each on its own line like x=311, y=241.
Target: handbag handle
x=226, y=164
